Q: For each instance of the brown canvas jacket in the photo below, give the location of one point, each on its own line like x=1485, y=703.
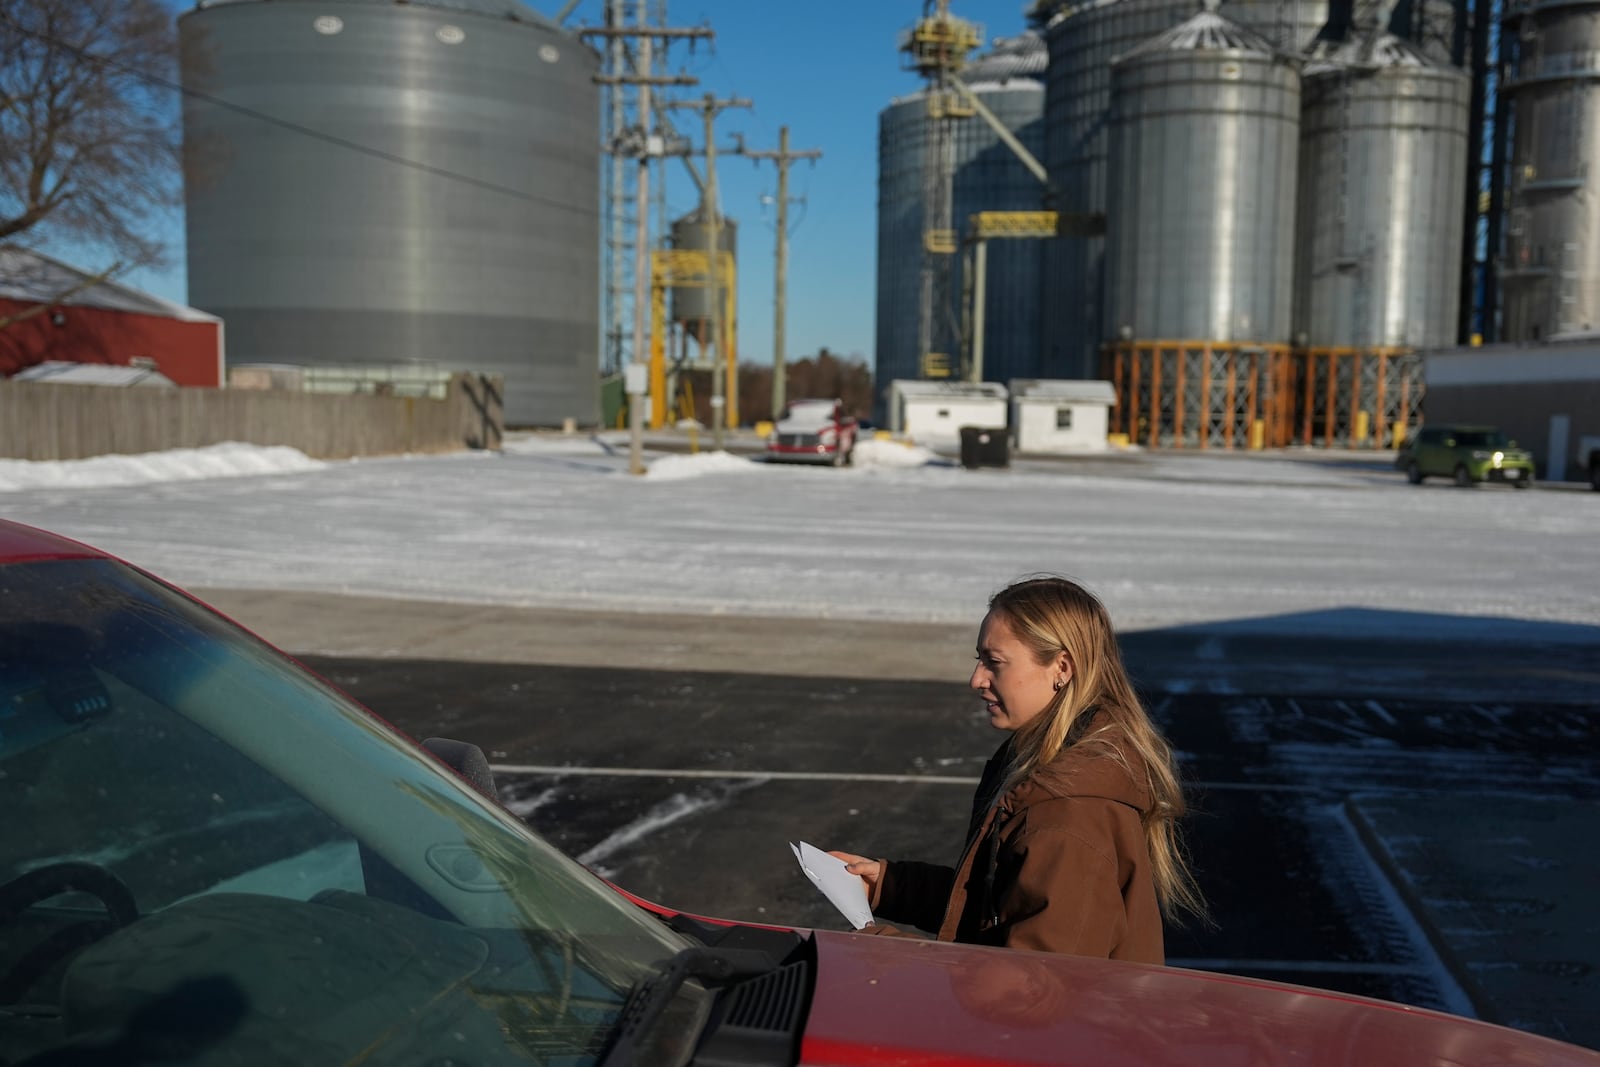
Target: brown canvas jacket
x=1059, y=864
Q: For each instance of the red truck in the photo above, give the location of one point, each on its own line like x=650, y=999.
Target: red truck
x=813, y=431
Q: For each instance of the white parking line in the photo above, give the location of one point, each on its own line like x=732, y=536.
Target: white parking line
x=565, y=771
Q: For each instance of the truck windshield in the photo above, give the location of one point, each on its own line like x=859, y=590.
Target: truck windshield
x=810, y=414
x=210, y=852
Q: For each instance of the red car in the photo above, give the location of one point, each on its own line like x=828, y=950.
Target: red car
x=813, y=431
x=210, y=856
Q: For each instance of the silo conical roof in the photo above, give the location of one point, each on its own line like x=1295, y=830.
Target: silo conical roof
x=1380, y=51
x=1023, y=56
x=513, y=10
x=1204, y=32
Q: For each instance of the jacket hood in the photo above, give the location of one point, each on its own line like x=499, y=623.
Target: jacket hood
x=1087, y=769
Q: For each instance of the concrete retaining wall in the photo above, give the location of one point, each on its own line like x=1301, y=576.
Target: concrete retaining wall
x=51, y=422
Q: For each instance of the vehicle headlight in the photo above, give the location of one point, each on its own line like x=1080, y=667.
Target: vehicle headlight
x=1498, y=458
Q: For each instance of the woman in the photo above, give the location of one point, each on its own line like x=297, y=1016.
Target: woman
x=1073, y=845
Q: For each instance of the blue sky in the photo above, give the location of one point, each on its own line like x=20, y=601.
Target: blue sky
x=825, y=69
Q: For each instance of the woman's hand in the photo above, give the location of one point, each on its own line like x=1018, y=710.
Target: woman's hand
x=862, y=867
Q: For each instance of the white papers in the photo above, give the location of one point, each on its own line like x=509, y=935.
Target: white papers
x=844, y=889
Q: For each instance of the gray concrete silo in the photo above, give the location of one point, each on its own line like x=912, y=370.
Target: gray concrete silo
x=1200, y=217
x=1550, y=275
x=1383, y=155
x=391, y=182
x=987, y=177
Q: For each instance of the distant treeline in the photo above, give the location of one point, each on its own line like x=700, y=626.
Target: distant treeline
x=824, y=375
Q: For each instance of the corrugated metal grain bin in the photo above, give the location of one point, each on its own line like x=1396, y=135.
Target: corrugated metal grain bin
x=1550, y=275
x=1082, y=40
x=987, y=177
x=1200, y=218
x=388, y=183
x=1383, y=155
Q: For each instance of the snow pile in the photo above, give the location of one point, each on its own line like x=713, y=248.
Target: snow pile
x=229, y=460
x=875, y=453
x=676, y=468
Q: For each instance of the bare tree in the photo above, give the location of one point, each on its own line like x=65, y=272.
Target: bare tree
x=90, y=129
x=821, y=376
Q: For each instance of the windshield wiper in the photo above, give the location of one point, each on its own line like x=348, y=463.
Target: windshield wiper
x=713, y=966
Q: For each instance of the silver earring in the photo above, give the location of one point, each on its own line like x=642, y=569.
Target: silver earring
x=1059, y=684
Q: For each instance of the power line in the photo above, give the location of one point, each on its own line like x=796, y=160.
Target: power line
x=294, y=127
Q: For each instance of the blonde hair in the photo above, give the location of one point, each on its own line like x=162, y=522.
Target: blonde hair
x=1054, y=615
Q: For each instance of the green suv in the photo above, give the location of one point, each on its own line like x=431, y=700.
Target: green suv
x=1468, y=454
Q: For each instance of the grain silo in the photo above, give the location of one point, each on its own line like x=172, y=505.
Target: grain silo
x=987, y=177
x=1383, y=156
x=1082, y=39
x=1200, y=232
x=713, y=327
x=395, y=182
x=691, y=304
x=1550, y=274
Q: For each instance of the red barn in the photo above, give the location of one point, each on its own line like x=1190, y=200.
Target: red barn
x=49, y=310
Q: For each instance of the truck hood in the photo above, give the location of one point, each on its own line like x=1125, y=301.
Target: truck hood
x=887, y=1000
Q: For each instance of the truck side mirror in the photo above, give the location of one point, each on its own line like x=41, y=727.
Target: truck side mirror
x=467, y=760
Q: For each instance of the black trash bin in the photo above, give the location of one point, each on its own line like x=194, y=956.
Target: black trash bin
x=984, y=446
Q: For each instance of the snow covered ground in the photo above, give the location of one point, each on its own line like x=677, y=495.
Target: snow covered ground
x=1338, y=545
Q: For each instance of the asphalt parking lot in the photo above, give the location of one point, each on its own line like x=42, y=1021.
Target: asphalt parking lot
x=1373, y=816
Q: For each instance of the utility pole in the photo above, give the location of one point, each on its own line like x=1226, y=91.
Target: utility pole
x=782, y=157
x=617, y=193
x=710, y=107
x=641, y=142
x=641, y=263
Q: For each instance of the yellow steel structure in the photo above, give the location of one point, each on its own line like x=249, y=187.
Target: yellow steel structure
x=1358, y=397
x=949, y=106
x=1214, y=394
x=940, y=43
x=987, y=224
x=990, y=224
x=684, y=267
x=1202, y=394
